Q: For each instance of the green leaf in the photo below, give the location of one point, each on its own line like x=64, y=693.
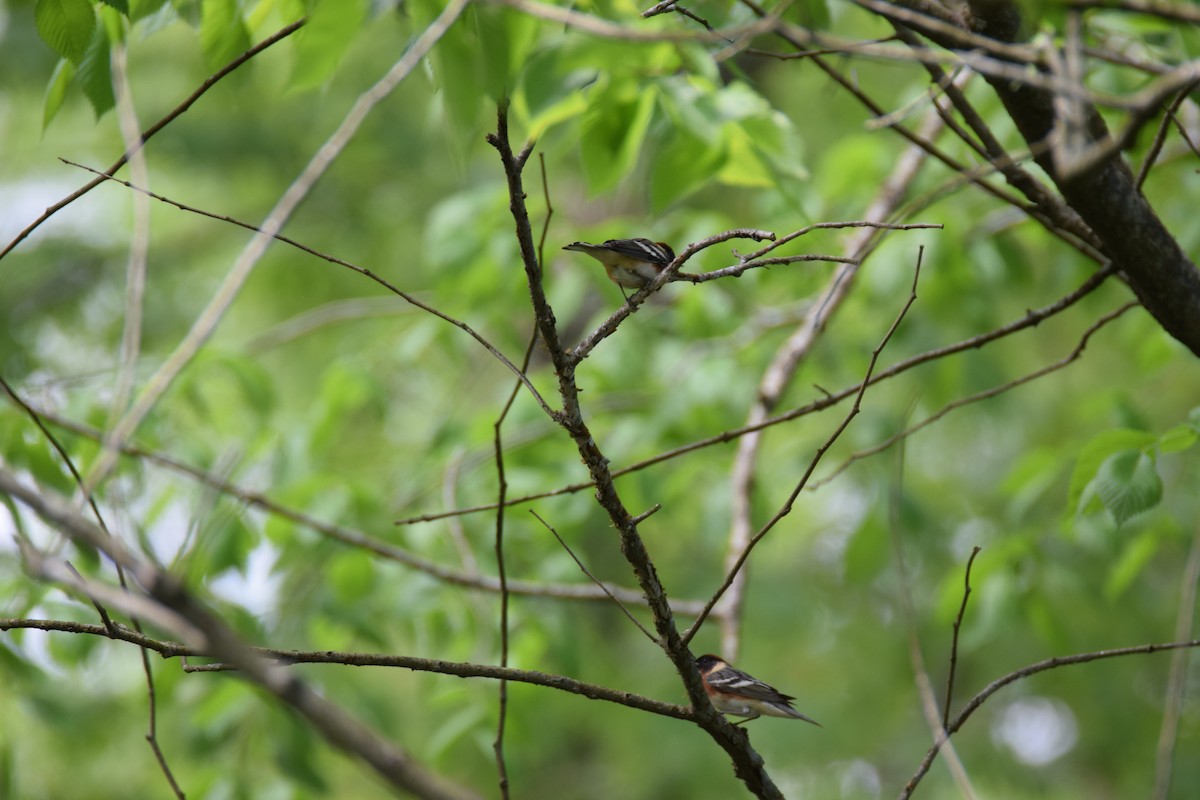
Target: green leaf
x=742, y=165
x=223, y=34
x=1177, y=439
x=685, y=164
x=1128, y=484
x=95, y=75
x=56, y=90
x=505, y=38
x=614, y=134
x=66, y=25
x=189, y=11
x=228, y=545
x=139, y=9
x=1093, y=455
x=813, y=14
x=323, y=42
x=119, y=5
x=455, y=69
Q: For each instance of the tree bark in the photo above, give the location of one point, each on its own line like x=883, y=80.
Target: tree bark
x=1105, y=196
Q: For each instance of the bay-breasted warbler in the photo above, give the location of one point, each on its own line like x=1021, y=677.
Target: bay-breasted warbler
x=631, y=263
x=734, y=692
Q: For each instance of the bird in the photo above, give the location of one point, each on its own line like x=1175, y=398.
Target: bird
x=630, y=263
x=732, y=691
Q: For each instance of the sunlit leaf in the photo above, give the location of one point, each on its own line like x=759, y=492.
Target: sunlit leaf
x=323, y=42
x=613, y=137
x=139, y=9
x=223, y=34
x=66, y=25
x=683, y=165
x=56, y=90
x=1178, y=439
x=95, y=75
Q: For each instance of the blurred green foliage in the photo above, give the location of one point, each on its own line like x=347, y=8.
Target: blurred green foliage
x=336, y=399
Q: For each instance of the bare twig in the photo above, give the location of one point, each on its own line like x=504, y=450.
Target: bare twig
x=1160, y=136
x=597, y=26
x=962, y=610
x=1155, y=8
x=1048, y=209
x=1031, y=319
x=1025, y=672
x=1066, y=360
x=502, y=574
x=365, y=272
x=583, y=568
x=131, y=336
x=786, y=508
x=925, y=694
x=169, y=649
x=778, y=375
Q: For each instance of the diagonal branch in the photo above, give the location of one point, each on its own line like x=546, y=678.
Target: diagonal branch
x=177, y=609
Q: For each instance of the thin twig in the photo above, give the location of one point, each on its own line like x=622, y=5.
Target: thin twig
x=365, y=272
x=962, y=610
x=1025, y=672
x=986, y=394
x=170, y=649
x=1160, y=136
x=583, y=568
x=925, y=693
x=1031, y=319
x=131, y=336
x=356, y=538
x=786, y=508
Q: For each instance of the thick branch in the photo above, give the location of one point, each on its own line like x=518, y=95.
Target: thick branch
x=1105, y=195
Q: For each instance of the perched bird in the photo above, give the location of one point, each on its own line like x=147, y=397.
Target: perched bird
x=734, y=692
x=631, y=263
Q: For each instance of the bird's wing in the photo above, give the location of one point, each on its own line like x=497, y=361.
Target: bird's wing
x=738, y=682
x=641, y=249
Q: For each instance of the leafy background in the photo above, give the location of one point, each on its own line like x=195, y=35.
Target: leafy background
x=337, y=399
